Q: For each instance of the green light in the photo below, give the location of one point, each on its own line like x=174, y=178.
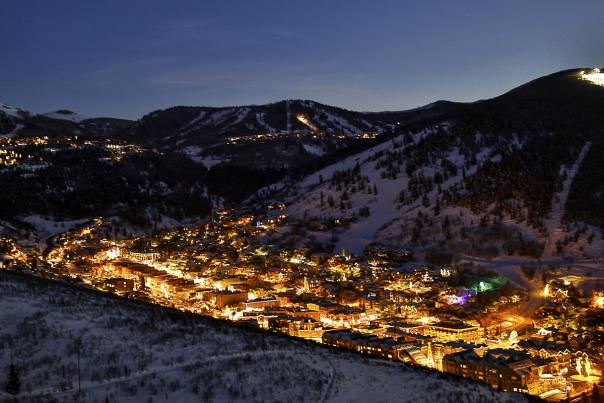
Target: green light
x=483, y=286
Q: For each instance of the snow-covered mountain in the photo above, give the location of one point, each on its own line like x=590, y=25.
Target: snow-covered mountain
x=13, y=111
x=14, y=120
x=519, y=174
x=280, y=137
x=287, y=137
x=11, y=119
x=199, y=125
x=80, y=344
x=507, y=176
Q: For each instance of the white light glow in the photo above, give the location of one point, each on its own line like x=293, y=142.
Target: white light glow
x=594, y=76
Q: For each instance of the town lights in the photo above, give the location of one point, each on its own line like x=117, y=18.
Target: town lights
x=598, y=300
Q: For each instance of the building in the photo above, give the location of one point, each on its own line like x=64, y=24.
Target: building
x=224, y=298
x=385, y=347
x=453, y=331
x=502, y=369
x=142, y=256
x=119, y=284
x=262, y=303
x=295, y=326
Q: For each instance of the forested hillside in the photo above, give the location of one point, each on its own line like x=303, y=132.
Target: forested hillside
x=487, y=178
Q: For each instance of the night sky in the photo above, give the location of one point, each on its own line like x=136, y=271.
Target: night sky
x=127, y=58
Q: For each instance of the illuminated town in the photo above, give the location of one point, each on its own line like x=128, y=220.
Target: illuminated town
x=459, y=319
x=279, y=201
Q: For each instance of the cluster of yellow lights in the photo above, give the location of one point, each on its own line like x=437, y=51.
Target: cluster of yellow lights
x=9, y=157
x=256, y=137
x=367, y=135
x=598, y=300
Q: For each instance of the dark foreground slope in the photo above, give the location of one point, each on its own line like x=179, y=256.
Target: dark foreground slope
x=131, y=352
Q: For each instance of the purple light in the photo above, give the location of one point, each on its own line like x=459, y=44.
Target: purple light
x=459, y=300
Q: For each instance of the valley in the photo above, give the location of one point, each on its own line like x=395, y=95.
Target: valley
x=464, y=238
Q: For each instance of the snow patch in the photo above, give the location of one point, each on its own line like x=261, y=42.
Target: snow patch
x=313, y=149
x=260, y=118
x=45, y=227
x=194, y=153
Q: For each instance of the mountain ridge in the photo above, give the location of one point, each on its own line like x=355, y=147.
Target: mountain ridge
x=500, y=163
x=481, y=180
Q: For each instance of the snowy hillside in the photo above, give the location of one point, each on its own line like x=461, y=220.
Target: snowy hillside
x=14, y=120
x=203, y=125
x=410, y=192
x=516, y=175
x=13, y=111
x=130, y=352
x=11, y=119
x=372, y=190
x=279, y=117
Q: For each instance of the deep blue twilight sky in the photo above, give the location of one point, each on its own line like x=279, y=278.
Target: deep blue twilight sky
x=126, y=58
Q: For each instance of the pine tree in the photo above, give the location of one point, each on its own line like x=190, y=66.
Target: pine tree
x=425, y=201
x=415, y=234
x=13, y=384
x=401, y=196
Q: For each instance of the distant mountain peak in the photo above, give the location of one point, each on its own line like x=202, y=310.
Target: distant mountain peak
x=66, y=114
x=14, y=111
